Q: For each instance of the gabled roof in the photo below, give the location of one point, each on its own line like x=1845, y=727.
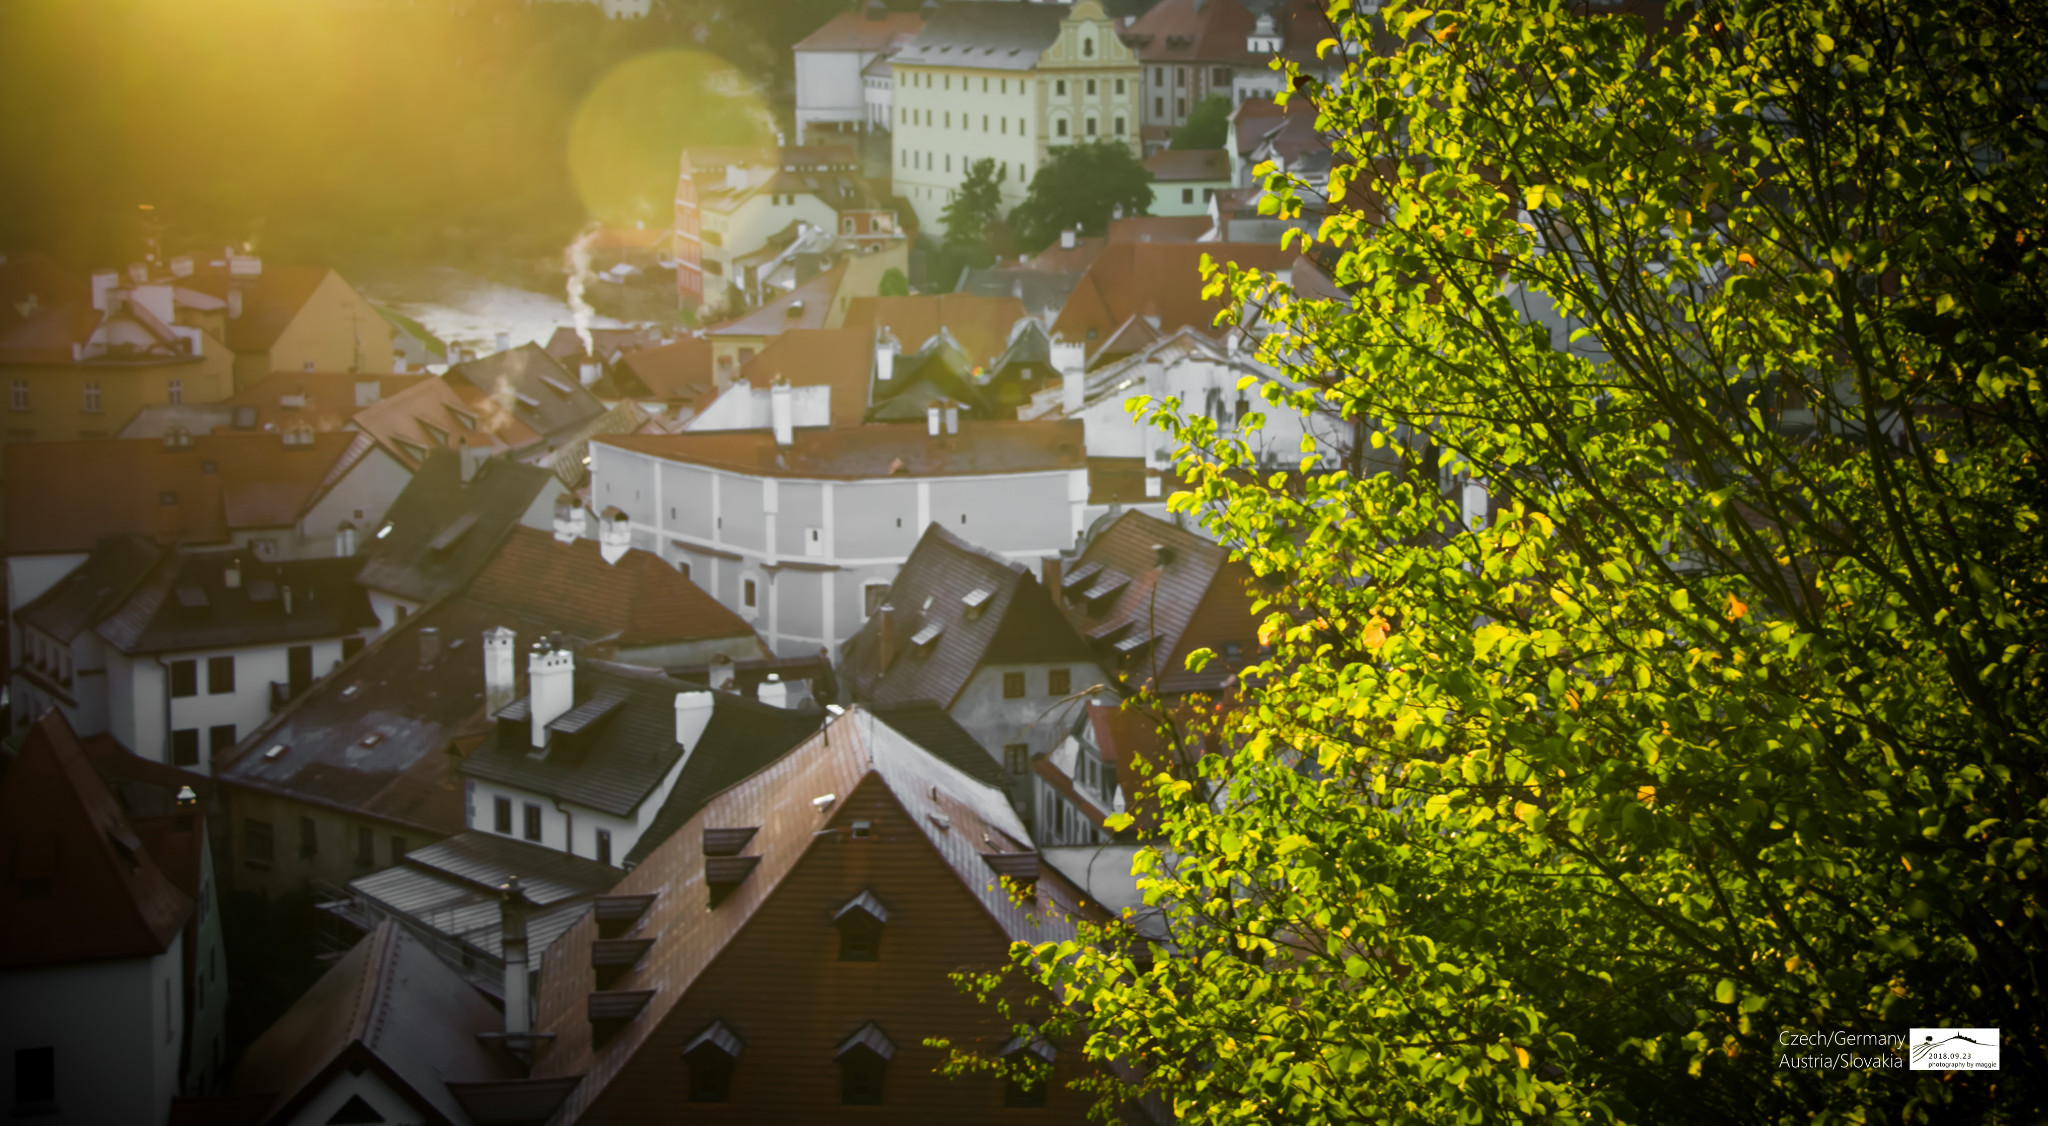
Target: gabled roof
x=527, y=384
x=985, y=35
x=980, y=325
x=82, y=884
x=1014, y=624
x=431, y=415
x=857, y=759
x=414, y=560
x=373, y=738
x=934, y=729
x=1161, y=601
x=1152, y=279
x=616, y=763
x=1042, y=292
x=869, y=452
x=271, y=301
x=638, y=601
x=79, y=600
x=806, y=306
x=228, y=599
x=43, y=311
x=673, y=371
x=1192, y=31
x=389, y=1003
x=743, y=736
x=322, y=400
x=862, y=31
x=566, y=346
x=1160, y=228
x=842, y=359
x=67, y=496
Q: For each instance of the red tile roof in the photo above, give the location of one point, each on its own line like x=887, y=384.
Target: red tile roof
x=330, y=397
x=67, y=496
x=400, y=423
x=1189, y=164
x=1194, y=599
x=840, y=358
x=674, y=371
x=271, y=300
x=1154, y=279
x=102, y=891
x=1192, y=30
x=869, y=452
x=858, y=31
x=980, y=325
x=638, y=601
x=803, y=307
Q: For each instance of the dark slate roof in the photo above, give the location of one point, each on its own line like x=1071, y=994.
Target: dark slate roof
x=985, y=34
x=414, y=713
x=394, y=999
x=530, y=384
x=186, y=603
x=108, y=896
x=451, y=887
x=1161, y=601
x=94, y=589
x=406, y=562
x=935, y=729
x=742, y=737
x=1043, y=292
x=618, y=759
x=1017, y=624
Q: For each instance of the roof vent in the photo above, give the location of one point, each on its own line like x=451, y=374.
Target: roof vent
x=1162, y=554
x=275, y=752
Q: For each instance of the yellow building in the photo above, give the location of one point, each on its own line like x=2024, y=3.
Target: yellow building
x=1008, y=81
x=281, y=318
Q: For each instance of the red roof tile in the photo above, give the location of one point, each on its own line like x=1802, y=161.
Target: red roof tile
x=1189, y=164
x=401, y=423
x=869, y=452
x=271, y=300
x=980, y=325
x=1154, y=279
x=674, y=371
x=840, y=358
x=329, y=397
x=858, y=31
x=638, y=601
x=83, y=884
x=803, y=307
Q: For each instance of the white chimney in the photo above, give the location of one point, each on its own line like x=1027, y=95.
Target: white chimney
x=1067, y=239
x=781, y=412
x=234, y=303
x=244, y=266
x=951, y=413
x=614, y=535
x=512, y=947
x=504, y=342
x=774, y=691
x=104, y=282
x=590, y=372
x=722, y=673
x=693, y=715
x=571, y=523
x=550, y=686
x=500, y=669
x=931, y=419
x=886, y=350
x=1070, y=359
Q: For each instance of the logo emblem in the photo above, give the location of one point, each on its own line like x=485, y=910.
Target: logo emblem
x=1954, y=1049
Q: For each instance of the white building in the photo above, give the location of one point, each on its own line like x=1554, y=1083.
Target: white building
x=834, y=70
x=800, y=531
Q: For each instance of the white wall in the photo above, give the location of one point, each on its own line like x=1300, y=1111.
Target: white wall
x=117, y=1027
x=566, y=823
x=142, y=713
x=828, y=88
x=28, y=576
x=361, y=498
x=1038, y=720
x=371, y=1088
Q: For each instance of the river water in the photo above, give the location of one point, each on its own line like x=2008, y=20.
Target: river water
x=469, y=310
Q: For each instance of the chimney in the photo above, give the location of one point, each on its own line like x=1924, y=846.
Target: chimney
x=430, y=646
x=512, y=945
x=500, y=670
x=774, y=692
x=885, y=630
x=931, y=418
x=1067, y=239
x=886, y=350
x=234, y=303
x=614, y=535
x=138, y=273
x=721, y=673
x=782, y=412
x=570, y=524
x=1117, y=212
x=1153, y=485
x=504, y=342
x=232, y=577
x=590, y=372
x=951, y=413
x=1050, y=568
x=368, y=391
x=550, y=686
x=104, y=282
x=181, y=266
x=693, y=714
x=472, y=461
x=1071, y=361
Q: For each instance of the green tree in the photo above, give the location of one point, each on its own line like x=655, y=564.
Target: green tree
x=1081, y=186
x=893, y=284
x=1207, y=126
x=1724, y=719
x=976, y=207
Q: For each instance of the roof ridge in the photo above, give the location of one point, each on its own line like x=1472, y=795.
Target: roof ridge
x=366, y=1020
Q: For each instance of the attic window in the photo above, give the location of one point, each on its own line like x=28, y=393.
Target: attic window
x=974, y=600
x=862, y=830
x=528, y=401
x=1080, y=575
x=275, y=752
x=710, y=1056
x=1038, y=1056
x=927, y=638
x=463, y=417
x=860, y=922
x=863, y=1060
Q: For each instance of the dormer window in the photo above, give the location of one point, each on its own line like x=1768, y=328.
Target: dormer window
x=975, y=600
x=860, y=928
x=710, y=1056
x=863, y=1060
x=1034, y=1057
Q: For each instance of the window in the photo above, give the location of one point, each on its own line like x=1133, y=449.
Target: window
x=604, y=846
x=185, y=747
x=17, y=395
x=257, y=843
x=90, y=394
x=366, y=847
x=863, y=1063
x=947, y=117
x=1220, y=76
x=1017, y=758
x=1013, y=686
x=710, y=1057
x=1187, y=195
x=748, y=594
x=1091, y=87
x=184, y=679
x=1158, y=76
x=1119, y=126
x=220, y=675
x=1088, y=48
x=1159, y=107
x=860, y=928
x=872, y=597
x=1059, y=128
x=398, y=848
x=1119, y=87
x=219, y=738
x=1180, y=76
x=309, y=837
x=1059, y=88
x=1059, y=682
x=35, y=1078
x=1180, y=107
x=502, y=811
x=532, y=822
